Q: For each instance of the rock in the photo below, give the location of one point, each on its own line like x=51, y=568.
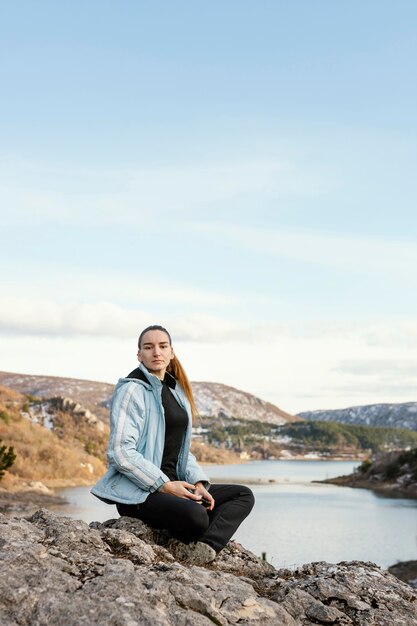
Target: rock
x=360, y=593
x=405, y=571
x=56, y=570
x=37, y=485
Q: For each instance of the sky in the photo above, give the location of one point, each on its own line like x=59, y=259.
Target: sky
x=242, y=172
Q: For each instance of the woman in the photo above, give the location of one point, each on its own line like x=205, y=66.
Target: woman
x=152, y=474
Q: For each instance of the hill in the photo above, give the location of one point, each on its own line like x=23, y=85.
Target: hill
x=333, y=436
x=56, y=441
x=217, y=400
x=402, y=415
x=260, y=440
x=212, y=399
x=94, y=396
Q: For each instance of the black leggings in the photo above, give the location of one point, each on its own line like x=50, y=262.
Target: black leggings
x=188, y=520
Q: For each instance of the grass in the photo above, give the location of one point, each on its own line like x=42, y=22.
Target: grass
x=46, y=455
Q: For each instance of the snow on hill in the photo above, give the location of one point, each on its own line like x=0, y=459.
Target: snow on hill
x=402, y=415
x=224, y=401
x=212, y=398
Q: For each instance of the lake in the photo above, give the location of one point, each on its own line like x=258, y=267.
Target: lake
x=296, y=521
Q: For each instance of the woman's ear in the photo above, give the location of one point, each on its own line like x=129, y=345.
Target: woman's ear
x=138, y=355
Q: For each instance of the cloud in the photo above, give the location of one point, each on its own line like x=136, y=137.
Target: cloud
x=295, y=370
x=361, y=255
x=379, y=367
x=395, y=389
x=387, y=333
x=42, y=193
x=101, y=318
x=46, y=317
x=127, y=286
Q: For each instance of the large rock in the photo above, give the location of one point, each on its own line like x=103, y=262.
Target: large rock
x=59, y=571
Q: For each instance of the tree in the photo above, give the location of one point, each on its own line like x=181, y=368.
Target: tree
x=7, y=458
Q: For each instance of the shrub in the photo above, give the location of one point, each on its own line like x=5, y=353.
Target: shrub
x=5, y=417
x=33, y=399
x=392, y=470
x=7, y=458
x=365, y=466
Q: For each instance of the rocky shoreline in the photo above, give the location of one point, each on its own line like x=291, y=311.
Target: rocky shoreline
x=26, y=502
x=388, y=488
x=392, y=473
x=56, y=571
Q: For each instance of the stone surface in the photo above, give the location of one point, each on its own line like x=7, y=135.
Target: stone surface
x=59, y=571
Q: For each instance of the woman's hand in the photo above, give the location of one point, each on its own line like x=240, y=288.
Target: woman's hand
x=180, y=488
x=200, y=490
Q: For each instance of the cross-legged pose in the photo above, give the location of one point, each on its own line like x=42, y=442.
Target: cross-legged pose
x=152, y=474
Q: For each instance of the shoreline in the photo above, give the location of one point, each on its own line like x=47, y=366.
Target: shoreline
x=22, y=497
x=20, y=503
x=292, y=458
x=392, y=490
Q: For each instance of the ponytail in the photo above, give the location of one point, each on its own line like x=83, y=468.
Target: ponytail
x=177, y=371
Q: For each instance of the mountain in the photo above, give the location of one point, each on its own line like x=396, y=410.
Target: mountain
x=402, y=415
x=213, y=399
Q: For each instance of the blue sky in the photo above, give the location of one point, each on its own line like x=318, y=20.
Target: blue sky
x=243, y=172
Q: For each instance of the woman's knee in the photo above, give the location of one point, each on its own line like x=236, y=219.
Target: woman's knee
x=247, y=497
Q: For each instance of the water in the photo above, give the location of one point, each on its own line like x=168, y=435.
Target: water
x=295, y=521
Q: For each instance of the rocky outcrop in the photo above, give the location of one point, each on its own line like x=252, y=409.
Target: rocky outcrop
x=58, y=571
x=393, y=473
x=44, y=412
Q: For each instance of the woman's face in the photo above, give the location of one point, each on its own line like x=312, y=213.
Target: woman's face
x=155, y=352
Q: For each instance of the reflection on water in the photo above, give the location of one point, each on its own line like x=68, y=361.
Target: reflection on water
x=295, y=521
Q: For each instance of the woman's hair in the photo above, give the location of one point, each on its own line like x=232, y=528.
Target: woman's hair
x=175, y=368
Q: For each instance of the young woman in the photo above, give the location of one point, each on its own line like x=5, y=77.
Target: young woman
x=152, y=474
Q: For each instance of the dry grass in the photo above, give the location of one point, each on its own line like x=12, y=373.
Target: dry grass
x=45, y=455
x=77, y=432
